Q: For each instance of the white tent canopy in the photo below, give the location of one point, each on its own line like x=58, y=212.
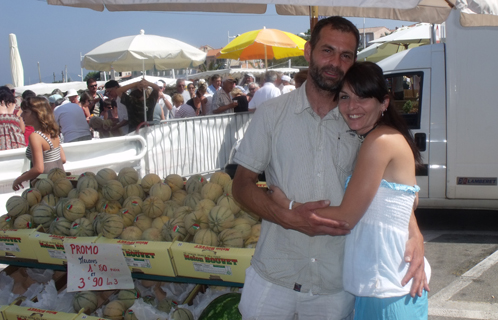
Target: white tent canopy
x=16, y=68
x=47, y=88
x=170, y=82
x=238, y=72
x=420, y=33
x=473, y=12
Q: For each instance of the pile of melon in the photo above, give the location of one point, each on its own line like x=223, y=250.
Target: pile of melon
x=124, y=206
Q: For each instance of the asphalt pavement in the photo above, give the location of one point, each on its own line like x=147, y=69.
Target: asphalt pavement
x=462, y=249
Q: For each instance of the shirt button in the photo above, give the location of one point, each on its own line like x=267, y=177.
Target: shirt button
x=313, y=259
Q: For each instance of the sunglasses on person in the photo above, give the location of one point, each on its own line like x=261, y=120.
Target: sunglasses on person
x=92, y=86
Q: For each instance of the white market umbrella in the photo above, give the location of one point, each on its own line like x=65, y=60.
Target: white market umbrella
x=473, y=12
x=16, y=68
x=143, y=52
x=380, y=51
x=420, y=33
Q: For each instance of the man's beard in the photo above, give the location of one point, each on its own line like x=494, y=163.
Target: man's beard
x=316, y=74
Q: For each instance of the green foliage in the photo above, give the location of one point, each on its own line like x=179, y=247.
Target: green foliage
x=92, y=74
x=213, y=65
x=408, y=106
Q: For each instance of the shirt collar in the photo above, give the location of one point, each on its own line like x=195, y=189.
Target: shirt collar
x=304, y=104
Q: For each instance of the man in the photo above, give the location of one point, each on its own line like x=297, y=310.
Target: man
x=266, y=92
x=72, y=96
x=251, y=88
x=180, y=88
x=191, y=90
x=287, y=86
x=222, y=101
x=111, y=92
x=305, y=148
x=248, y=78
x=72, y=120
x=163, y=105
x=94, y=107
x=215, y=84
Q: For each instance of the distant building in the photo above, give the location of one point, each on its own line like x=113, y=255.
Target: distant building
x=372, y=34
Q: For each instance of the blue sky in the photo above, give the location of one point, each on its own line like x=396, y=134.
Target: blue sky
x=55, y=36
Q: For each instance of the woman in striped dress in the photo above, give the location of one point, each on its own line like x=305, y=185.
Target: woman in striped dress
x=44, y=149
x=11, y=129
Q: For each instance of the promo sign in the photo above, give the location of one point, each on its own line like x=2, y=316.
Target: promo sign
x=92, y=266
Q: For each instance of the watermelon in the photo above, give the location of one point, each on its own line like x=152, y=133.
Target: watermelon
x=225, y=306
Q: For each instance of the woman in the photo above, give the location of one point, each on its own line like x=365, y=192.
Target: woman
x=11, y=125
x=199, y=101
x=44, y=149
x=85, y=102
x=378, y=202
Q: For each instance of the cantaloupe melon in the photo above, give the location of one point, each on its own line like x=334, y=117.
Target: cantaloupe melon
x=231, y=238
x=251, y=217
x=153, y=207
x=149, y=180
x=169, y=208
x=109, y=206
x=152, y=234
x=114, y=310
x=6, y=222
x=134, y=190
x=50, y=199
x=112, y=226
x=182, y=314
x=195, y=221
x=179, y=196
x=221, y=178
x=229, y=202
x=45, y=186
x=159, y=222
x=81, y=227
x=130, y=315
x=32, y=195
x=128, y=176
x=113, y=190
x=87, y=181
x=220, y=218
x=134, y=204
x=192, y=199
x=60, y=226
x=59, y=207
x=205, y=205
x=128, y=296
x=181, y=212
x=87, y=300
x=211, y=191
x=174, y=229
x=194, y=184
x=161, y=190
x=56, y=173
x=17, y=205
x=175, y=182
x=131, y=233
x=166, y=305
x=43, y=215
x=104, y=175
x=127, y=216
x=74, y=193
x=227, y=189
x=89, y=196
x=244, y=226
x=142, y=222
x=97, y=222
x=73, y=209
x=62, y=187
x=24, y=221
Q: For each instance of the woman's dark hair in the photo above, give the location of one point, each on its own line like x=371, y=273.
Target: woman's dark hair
x=85, y=97
x=6, y=95
x=28, y=94
x=366, y=80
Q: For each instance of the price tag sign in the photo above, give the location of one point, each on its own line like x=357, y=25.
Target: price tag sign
x=93, y=266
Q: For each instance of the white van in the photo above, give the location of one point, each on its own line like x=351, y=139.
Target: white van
x=448, y=93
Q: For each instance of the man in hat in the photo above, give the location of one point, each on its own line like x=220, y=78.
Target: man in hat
x=164, y=103
x=180, y=88
x=266, y=92
x=71, y=97
x=287, y=86
x=222, y=101
x=248, y=78
x=72, y=120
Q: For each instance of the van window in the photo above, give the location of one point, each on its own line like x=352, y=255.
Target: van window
x=406, y=88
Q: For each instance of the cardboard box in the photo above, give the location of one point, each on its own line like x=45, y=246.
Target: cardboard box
x=148, y=257
x=14, y=312
x=214, y=263
x=2, y=311
x=49, y=248
x=17, y=243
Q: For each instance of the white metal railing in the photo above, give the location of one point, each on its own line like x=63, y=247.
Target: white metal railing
x=193, y=145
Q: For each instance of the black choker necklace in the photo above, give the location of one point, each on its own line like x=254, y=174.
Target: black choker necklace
x=363, y=136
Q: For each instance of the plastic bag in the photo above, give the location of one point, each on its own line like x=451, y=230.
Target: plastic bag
x=143, y=311
x=40, y=275
x=6, y=285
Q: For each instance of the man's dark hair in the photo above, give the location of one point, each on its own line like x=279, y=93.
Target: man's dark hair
x=111, y=84
x=28, y=94
x=335, y=23
x=215, y=76
x=90, y=80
